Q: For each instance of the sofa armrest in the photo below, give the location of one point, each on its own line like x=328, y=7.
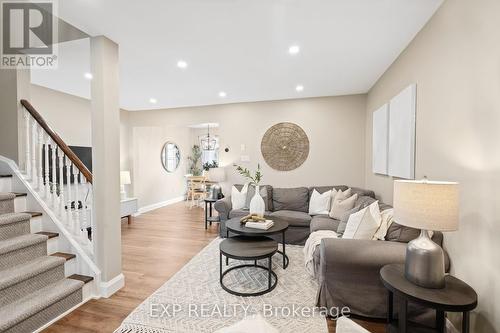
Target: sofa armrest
x=361, y=254
x=223, y=207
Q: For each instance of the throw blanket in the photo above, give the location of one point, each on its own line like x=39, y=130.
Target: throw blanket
x=312, y=243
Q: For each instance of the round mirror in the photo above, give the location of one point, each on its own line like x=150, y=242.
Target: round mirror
x=170, y=156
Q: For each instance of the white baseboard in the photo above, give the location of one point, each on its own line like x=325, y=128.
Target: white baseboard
x=112, y=286
x=157, y=205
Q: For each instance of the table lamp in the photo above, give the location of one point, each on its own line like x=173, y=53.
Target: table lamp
x=426, y=205
x=124, y=180
x=217, y=175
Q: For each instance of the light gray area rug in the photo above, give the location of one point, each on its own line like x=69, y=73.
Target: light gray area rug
x=193, y=300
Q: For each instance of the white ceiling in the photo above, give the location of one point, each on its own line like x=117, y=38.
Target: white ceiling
x=238, y=46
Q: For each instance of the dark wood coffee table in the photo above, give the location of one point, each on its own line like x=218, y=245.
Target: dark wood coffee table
x=249, y=248
x=280, y=227
x=456, y=296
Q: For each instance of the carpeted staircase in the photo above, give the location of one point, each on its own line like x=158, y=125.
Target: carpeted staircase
x=33, y=286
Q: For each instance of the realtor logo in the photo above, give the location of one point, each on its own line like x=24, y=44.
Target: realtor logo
x=28, y=34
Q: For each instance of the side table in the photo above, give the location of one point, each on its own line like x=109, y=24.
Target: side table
x=456, y=296
x=209, y=218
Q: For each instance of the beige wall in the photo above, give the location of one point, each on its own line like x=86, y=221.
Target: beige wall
x=70, y=117
x=335, y=126
x=455, y=61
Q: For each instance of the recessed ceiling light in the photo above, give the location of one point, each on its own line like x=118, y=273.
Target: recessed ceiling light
x=88, y=76
x=294, y=49
x=182, y=64
x=299, y=88
x=222, y=94
x=153, y=101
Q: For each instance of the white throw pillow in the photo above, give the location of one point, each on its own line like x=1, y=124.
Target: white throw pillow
x=363, y=224
x=387, y=217
x=320, y=203
x=238, y=199
x=251, y=324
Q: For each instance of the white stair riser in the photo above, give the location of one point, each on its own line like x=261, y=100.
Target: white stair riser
x=36, y=224
x=87, y=290
x=20, y=204
x=52, y=246
x=70, y=267
x=5, y=184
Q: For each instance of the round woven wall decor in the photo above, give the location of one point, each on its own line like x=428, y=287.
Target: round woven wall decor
x=285, y=146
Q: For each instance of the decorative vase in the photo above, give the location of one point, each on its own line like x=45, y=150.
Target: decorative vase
x=257, y=205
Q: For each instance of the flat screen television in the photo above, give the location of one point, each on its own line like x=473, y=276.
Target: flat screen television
x=84, y=154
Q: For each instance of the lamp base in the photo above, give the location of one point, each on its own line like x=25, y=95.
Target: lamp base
x=424, y=264
x=123, y=193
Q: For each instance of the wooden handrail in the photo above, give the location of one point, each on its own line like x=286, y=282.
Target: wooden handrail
x=57, y=139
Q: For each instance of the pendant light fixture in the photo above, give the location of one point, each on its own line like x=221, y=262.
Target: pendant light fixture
x=208, y=143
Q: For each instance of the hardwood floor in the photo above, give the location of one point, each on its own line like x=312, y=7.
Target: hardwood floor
x=154, y=247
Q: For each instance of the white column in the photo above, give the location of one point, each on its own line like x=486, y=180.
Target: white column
x=106, y=162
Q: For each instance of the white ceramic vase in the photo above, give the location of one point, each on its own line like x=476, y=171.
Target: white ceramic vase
x=257, y=205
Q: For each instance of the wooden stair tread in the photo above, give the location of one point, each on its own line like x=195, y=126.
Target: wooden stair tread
x=84, y=278
x=5, y=176
x=20, y=194
x=48, y=234
x=34, y=214
x=67, y=256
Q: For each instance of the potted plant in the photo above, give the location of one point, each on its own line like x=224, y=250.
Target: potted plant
x=194, y=159
x=257, y=205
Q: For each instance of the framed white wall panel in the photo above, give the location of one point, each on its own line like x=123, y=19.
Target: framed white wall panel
x=380, y=140
x=402, y=133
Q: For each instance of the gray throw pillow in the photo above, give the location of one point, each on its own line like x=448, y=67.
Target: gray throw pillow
x=263, y=193
x=345, y=218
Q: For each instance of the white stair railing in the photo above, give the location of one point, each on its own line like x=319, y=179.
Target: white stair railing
x=59, y=177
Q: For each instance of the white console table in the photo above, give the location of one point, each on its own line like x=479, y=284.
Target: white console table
x=128, y=207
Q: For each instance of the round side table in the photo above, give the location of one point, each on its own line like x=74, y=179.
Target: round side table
x=456, y=296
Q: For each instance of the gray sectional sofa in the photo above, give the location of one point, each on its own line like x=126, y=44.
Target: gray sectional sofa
x=291, y=204
x=348, y=269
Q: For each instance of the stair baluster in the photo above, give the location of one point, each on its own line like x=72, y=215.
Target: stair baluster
x=61, y=182
x=69, y=212
x=48, y=194
x=41, y=183
x=34, y=177
x=53, y=185
x=76, y=176
x=27, y=164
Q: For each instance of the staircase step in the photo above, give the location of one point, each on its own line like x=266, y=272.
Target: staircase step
x=21, y=249
x=66, y=256
x=84, y=278
x=48, y=234
x=13, y=225
x=21, y=280
x=34, y=214
x=7, y=202
x=38, y=308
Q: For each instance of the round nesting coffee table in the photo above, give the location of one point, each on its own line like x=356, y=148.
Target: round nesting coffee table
x=280, y=227
x=249, y=248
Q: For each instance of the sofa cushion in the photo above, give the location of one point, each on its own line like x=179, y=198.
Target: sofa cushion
x=243, y=212
x=401, y=233
x=266, y=192
x=363, y=201
x=362, y=192
x=323, y=189
x=323, y=222
x=296, y=199
x=294, y=218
